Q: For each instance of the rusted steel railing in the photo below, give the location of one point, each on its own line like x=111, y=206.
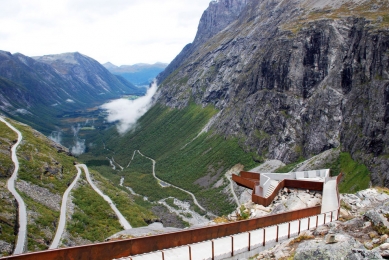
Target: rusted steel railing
x=117, y=249
x=248, y=183
x=130, y=247
x=250, y=175
x=311, y=185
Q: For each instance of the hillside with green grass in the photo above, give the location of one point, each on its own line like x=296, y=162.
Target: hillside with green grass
x=46, y=170
x=185, y=158
x=8, y=211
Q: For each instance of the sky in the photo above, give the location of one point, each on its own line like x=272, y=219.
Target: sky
x=123, y=32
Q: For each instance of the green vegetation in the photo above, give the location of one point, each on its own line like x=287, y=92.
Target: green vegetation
x=7, y=207
x=41, y=226
x=170, y=202
x=243, y=213
x=289, y=167
x=134, y=214
x=44, y=164
x=356, y=175
x=184, y=159
x=368, y=9
x=93, y=218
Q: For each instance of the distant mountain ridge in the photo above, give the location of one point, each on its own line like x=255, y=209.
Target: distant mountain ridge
x=36, y=90
x=138, y=74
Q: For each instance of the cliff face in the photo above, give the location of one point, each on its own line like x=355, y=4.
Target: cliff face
x=217, y=17
x=293, y=78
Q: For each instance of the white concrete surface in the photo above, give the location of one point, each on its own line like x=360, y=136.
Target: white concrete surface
x=330, y=197
x=223, y=246
x=22, y=232
x=62, y=218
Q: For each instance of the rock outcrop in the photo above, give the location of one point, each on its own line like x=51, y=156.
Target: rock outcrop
x=292, y=78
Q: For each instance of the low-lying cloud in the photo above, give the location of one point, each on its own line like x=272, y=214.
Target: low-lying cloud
x=127, y=112
x=79, y=144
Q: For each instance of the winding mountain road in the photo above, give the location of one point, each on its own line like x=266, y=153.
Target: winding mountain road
x=62, y=218
x=190, y=193
x=125, y=224
x=22, y=233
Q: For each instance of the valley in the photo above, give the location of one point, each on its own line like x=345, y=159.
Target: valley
x=271, y=86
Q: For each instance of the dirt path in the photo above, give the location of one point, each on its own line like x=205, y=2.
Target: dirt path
x=22, y=212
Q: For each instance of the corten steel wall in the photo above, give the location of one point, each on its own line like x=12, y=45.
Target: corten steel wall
x=244, y=182
x=250, y=175
x=117, y=249
x=309, y=185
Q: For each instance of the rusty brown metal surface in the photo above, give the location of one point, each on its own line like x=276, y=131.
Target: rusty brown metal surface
x=297, y=184
x=117, y=249
x=243, y=181
x=250, y=175
x=306, y=185
x=123, y=248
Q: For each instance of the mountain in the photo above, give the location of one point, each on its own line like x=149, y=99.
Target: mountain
x=140, y=74
x=291, y=79
x=36, y=90
x=46, y=170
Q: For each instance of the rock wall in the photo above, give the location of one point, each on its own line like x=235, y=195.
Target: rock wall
x=292, y=81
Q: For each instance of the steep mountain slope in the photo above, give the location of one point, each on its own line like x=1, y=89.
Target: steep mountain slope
x=46, y=170
x=37, y=90
x=292, y=78
x=140, y=74
x=284, y=80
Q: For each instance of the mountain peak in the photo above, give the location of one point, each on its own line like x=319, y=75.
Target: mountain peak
x=110, y=66
x=67, y=58
x=218, y=16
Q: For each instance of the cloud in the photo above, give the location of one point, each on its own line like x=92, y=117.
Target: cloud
x=127, y=112
x=104, y=30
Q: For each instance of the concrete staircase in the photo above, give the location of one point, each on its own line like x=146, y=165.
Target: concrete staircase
x=272, y=187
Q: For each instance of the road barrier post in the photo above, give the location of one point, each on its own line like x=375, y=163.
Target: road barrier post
x=232, y=246
x=299, y=226
x=325, y=216
x=190, y=253
x=264, y=236
x=277, y=233
x=309, y=222
x=289, y=230
x=213, y=250
x=249, y=241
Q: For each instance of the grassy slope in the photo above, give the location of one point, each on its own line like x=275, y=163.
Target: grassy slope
x=7, y=208
x=161, y=134
x=36, y=154
x=356, y=176
x=93, y=218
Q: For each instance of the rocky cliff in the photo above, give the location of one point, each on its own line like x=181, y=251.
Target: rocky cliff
x=291, y=78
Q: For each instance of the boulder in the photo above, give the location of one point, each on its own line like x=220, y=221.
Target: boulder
x=374, y=217
x=279, y=209
x=384, y=246
x=346, y=248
